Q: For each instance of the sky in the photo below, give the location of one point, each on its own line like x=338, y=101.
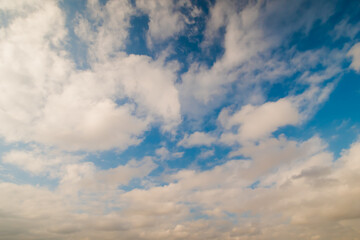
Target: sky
x=189, y=119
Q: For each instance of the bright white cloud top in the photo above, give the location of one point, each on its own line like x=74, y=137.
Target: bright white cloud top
x=185, y=119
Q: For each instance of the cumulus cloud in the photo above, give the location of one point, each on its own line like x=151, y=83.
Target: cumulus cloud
x=28, y=59
x=164, y=21
x=167, y=18
x=107, y=33
x=162, y=152
x=354, y=53
x=165, y=154
x=152, y=88
x=197, y=139
x=206, y=154
x=238, y=180
x=40, y=161
x=256, y=122
x=85, y=177
x=74, y=172
x=47, y=100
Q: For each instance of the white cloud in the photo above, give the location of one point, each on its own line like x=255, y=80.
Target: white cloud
x=178, y=154
x=207, y=153
x=47, y=100
x=109, y=29
x=39, y=161
x=277, y=189
x=252, y=123
x=153, y=88
x=162, y=152
x=74, y=173
x=15, y=8
x=346, y=29
x=32, y=69
x=165, y=154
x=256, y=122
x=354, y=52
x=85, y=177
x=252, y=31
x=165, y=18
x=305, y=174
x=197, y=139
x=88, y=125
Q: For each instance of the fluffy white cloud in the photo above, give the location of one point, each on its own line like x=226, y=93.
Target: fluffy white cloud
x=88, y=125
x=256, y=122
x=165, y=154
x=73, y=172
x=206, y=154
x=266, y=188
x=85, y=177
x=197, y=139
x=354, y=52
x=31, y=69
x=108, y=30
x=38, y=161
x=162, y=152
x=152, y=88
x=165, y=18
x=47, y=100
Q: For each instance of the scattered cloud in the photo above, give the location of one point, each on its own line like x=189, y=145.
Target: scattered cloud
x=78, y=109
x=207, y=153
x=186, y=140
x=354, y=53
x=256, y=122
x=40, y=161
x=197, y=139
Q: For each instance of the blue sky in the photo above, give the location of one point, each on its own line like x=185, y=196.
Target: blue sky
x=179, y=119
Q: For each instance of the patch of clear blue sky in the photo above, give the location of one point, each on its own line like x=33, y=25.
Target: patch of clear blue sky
x=136, y=44
x=338, y=119
x=76, y=47
x=4, y=18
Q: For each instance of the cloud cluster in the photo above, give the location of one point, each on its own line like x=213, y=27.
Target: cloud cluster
x=47, y=100
x=251, y=57
x=258, y=122
x=56, y=114
x=197, y=139
x=284, y=189
x=354, y=52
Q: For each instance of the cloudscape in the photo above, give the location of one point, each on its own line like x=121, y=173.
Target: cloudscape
x=186, y=119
